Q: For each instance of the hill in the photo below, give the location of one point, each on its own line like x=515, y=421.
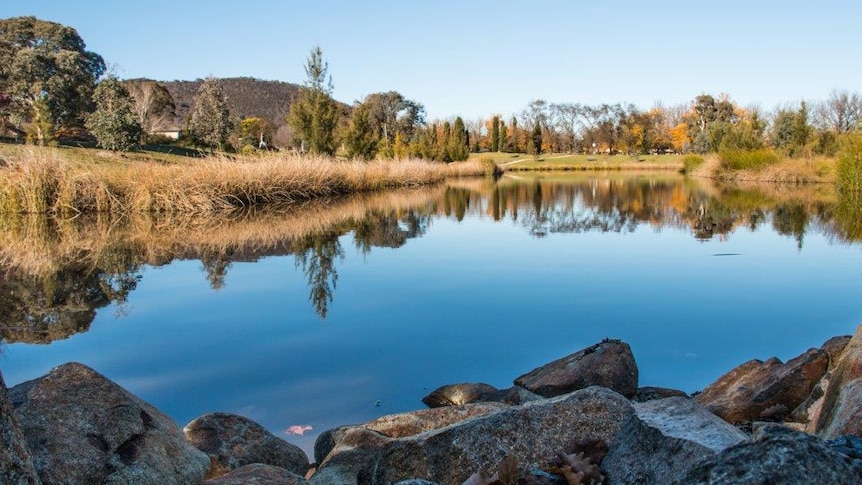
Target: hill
x=246, y=97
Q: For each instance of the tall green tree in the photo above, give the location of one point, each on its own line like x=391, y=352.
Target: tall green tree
x=495, y=133
x=314, y=116
x=114, y=123
x=361, y=137
x=536, y=140
x=504, y=138
x=458, y=143
x=47, y=72
x=210, y=124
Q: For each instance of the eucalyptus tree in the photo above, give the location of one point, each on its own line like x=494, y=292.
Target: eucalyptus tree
x=47, y=73
x=210, y=123
x=153, y=104
x=314, y=116
x=113, y=123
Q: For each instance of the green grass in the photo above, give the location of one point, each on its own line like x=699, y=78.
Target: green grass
x=562, y=161
x=691, y=162
x=738, y=159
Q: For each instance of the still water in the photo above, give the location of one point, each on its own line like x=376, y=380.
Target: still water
x=341, y=311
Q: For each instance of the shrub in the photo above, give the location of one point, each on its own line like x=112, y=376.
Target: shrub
x=691, y=162
x=738, y=159
x=849, y=166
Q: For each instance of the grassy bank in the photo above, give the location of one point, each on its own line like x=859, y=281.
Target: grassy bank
x=570, y=162
x=765, y=168
x=63, y=181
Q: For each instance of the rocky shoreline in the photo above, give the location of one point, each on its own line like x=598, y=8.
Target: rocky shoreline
x=578, y=420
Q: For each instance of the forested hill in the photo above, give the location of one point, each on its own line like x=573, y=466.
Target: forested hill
x=246, y=97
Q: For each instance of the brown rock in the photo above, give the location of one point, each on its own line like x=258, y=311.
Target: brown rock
x=835, y=348
x=83, y=428
x=258, y=474
x=741, y=395
x=607, y=364
x=845, y=417
x=534, y=433
x=457, y=394
x=833, y=412
x=232, y=441
x=644, y=394
x=16, y=466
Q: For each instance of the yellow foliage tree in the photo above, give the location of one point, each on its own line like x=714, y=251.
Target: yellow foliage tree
x=679, y=135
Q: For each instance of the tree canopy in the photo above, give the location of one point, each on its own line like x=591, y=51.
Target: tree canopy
x=210, y=123
x=46, y=72
x=114, y=123
x=314, y=116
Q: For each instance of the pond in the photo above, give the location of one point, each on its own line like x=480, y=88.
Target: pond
x=344, y=310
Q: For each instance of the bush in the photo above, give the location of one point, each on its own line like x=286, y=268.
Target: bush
x=849, y=166
x=690, y=163
x=738, y=159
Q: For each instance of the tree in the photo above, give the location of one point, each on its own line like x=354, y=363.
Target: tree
x=47, y=72
x=504, y=138
x=495, y=134
x=361, y=137
x=153, y=104
x=392, y=114
x=252, y=130
x=457, y=146
x=842, y=112
x=314, y=116
x=114, y=123
x=210, y=124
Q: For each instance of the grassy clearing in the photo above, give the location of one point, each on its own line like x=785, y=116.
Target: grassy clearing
x=64, y=181
x=562, y=161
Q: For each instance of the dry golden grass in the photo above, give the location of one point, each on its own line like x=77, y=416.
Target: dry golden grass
x=44, y=180
x=788, y=170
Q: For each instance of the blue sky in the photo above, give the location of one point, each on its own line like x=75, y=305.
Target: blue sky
x=477, y=58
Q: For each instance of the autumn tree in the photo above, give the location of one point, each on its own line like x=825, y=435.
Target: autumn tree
x=841, y=112
x=210, y=123
x=114, y=123
x=153, y=104
x=47, y=72
x=504, y=138
x=314, y=116
x=252, y=130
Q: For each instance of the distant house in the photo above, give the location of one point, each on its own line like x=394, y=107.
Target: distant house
x=171, y=132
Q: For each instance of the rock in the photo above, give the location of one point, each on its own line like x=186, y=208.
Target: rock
x=607, y=364
x=834, y=347
x=405, y=424
x=83, y=428
x=847, y=445
x=415, y=481
x=833, y=413
x=457, y=394
x=534, y=433
x=16, y=465
x=811, y=408
x=644, y=394
x=664, y=440
x=258, y=474
x=232, y=441
x=776, y=455
x=744, y=393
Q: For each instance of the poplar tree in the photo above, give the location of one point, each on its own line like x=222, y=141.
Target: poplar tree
x=495, y=134
x=314, y=116
x=503, y=137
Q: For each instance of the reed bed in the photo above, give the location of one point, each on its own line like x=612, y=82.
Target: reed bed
x=38, y=180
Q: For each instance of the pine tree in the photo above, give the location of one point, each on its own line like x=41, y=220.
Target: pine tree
x=314, y=116
x=457, y=147
x=361, y=137
x=537, y=139
x=516, y=142
x=210, y=124
x=503, y=137
x=114, y=123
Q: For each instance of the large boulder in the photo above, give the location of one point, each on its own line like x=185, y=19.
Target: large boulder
x=232, y=441
x=534, y=433
x=609, y=363
x=83, y=428
x=664, y=440
x=258, y=474
x=648, y=393
x=836, y=412
x=756, y=387
x=457, y=394
x=406, y=424
x=16, y=466
x=776, y=455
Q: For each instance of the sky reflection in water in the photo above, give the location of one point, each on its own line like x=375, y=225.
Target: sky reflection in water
x=470, y=283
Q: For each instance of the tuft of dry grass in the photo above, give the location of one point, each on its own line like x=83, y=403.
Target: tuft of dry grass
x=40, y=180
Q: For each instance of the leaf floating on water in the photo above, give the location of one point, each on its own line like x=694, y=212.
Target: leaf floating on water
x=298, y=429
x=728, y=254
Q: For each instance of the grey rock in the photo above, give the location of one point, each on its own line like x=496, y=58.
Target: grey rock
x=833, y=413
x=776, y=455
x=664, y=440
x=16, y=465
x=83, y=428
x=534, y=432
x=232, y=441
x=458, y=394
x=415, y=481
x=609, y=363
x=648, y=393
x=258, y=474
x=746, y=392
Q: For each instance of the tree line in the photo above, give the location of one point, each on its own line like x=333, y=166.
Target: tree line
x=52, y=87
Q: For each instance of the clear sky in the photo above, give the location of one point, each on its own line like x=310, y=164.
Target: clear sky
x=475, y=58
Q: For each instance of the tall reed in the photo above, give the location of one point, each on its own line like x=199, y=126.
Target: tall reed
x=45, y=181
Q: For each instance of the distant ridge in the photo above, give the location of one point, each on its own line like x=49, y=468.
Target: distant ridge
x=246, y=96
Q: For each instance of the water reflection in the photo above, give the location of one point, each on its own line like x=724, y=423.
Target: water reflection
x=55, y=274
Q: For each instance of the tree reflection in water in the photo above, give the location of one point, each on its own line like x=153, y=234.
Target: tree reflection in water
x=55, y=274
